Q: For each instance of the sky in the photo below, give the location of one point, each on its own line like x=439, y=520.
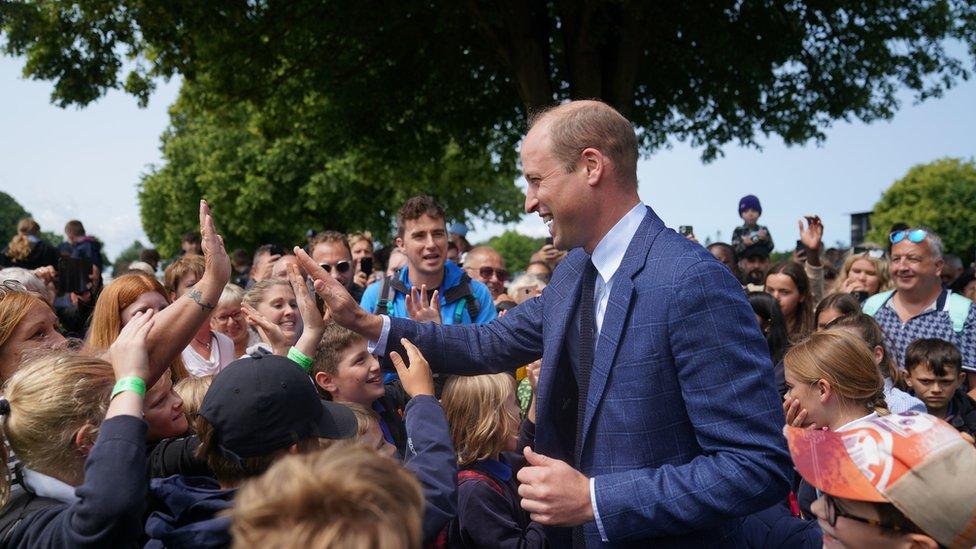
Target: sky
x=86, y=163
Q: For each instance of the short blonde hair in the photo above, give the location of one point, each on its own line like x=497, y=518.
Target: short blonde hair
x=346, y=496
x=51, y=397
x=477, y=416
x=192, y=390
x=232, y=294
x=843, y=359
x=364, y=417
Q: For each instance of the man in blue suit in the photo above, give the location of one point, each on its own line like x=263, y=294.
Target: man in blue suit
x=658, y=419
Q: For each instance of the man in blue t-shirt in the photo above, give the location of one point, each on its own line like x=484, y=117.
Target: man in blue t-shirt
x=422, y=236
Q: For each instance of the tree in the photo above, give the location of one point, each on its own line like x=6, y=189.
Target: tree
x=125, y=257
x=267, y=186
x=939, y=195
x=422, y=74
x=515, y=248
x=10, y=213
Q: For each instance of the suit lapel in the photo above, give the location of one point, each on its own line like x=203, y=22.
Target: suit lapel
x=618, y=309
x=557, y=314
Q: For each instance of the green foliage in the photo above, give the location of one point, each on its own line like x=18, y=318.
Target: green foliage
x=125, y=257
x=10, y=213
x=431, y=72
x=268, y=185
x=939, y=195
x=515, y=248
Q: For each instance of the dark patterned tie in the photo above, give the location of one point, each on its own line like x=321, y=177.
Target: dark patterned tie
x=587, y=344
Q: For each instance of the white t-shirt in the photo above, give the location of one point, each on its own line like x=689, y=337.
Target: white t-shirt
x=221, y=354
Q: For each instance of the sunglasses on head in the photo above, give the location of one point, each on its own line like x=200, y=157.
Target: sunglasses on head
x=487, y=272
x=870, y=252
x=913, y=235
x=341, y=267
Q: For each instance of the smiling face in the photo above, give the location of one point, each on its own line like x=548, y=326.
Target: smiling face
x=914, y=268
x=558, y=197
x=424, y=242
x=163, y=411
x=38, y=330
x=229, y=320
x=357, y=378
x=145, y=302
x=279, y=306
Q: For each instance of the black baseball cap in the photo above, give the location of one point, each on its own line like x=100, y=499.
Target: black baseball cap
x=258, y=405
x=755, y=250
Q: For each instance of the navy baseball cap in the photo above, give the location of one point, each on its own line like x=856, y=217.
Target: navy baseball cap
x=258, y=405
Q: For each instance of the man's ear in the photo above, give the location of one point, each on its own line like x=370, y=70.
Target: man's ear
x=85, y=439
x=595, y=163
x=399, y=243
x=325, y=381
x=878, y=354
x=962, y=377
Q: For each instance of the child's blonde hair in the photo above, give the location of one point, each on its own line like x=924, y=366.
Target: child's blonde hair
x=481, y=424
x=51, y=397
x=364, y=417
x=346, y=496
x=192, y=390
x=844, y=360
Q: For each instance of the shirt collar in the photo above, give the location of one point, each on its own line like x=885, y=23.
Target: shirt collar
x=500, y=470
x=609, y=253
x=49, y=487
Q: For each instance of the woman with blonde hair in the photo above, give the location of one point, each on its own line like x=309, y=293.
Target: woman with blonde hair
x=272, y=308
x=76, y=424
x=864, y=274
x=483, y=416
x=832, y=383
x=228, y=319
x=27, y=249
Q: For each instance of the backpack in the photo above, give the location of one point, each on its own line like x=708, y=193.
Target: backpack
x=20, y=507
x=958, y=308
x=462, y=293
x=464, y=475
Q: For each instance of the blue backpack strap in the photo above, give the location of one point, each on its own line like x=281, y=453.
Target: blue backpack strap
x=874, y=303
x=958, y=310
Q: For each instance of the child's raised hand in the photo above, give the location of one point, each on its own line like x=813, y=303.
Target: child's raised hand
x=128, y=354
x=416, y=378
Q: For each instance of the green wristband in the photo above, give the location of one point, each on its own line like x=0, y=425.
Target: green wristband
x=300, y=358
x=131, y=383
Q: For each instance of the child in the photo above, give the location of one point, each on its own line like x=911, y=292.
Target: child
x=750, y=233
x=484, y=418
x=344, y=496
x=935, y=375
x=902, y=480
x=344, y=370
x=192, y=390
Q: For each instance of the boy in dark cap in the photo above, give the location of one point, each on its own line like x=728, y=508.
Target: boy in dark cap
x=259, y=409
x=750, y=234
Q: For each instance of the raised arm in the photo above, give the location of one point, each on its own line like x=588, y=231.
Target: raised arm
x=501, y=345
x=178, y=322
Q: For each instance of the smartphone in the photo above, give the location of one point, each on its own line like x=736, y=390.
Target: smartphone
x=801, y=248
x=686, y=230
x=366, y=265
x=74, y=275
x=276, y=250
x=549, y=240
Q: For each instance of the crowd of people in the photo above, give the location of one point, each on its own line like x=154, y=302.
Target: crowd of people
x=341, y=394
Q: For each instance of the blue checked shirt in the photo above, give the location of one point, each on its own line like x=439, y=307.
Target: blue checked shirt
x=934, y=322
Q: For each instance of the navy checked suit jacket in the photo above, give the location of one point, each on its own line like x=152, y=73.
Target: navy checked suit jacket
x=683, y=424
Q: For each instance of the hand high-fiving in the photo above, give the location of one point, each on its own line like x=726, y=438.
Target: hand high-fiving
x=342, y=307
x=416, y=378
x=214, y=255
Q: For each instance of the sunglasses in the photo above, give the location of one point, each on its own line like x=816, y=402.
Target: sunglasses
x=341, y=267
x=487, y=272
x=913, y=235
x=870, y=252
